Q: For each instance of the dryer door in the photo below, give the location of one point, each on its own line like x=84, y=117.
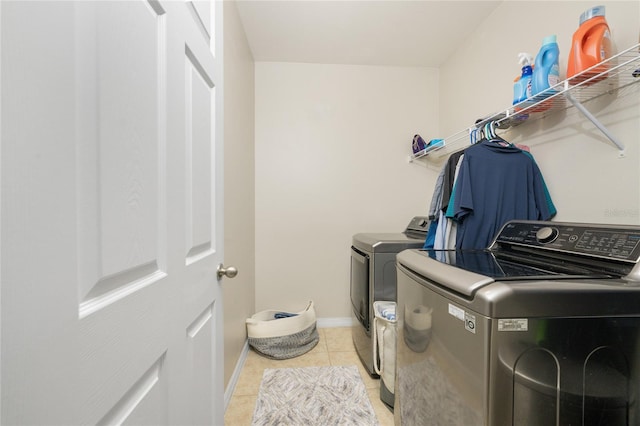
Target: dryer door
x=360, y=286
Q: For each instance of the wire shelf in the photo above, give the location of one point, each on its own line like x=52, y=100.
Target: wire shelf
x=608, y=76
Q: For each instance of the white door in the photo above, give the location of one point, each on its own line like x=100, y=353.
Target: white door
x=110, y=208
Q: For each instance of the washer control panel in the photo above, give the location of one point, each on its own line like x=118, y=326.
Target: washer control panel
x=418, y=227
x=604, y=241
x=547, y=234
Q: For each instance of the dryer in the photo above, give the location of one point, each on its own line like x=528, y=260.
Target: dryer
x=373, y=278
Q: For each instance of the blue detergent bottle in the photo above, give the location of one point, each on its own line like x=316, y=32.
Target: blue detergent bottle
x=546, y=72
x=522, y=85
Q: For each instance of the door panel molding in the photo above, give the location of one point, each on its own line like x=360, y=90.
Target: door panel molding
x=121, y=147
x=131, y=408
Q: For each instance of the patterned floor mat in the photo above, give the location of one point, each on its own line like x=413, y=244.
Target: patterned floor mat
x=317, y=396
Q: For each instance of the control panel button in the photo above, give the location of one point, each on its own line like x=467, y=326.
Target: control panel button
x=546, y=235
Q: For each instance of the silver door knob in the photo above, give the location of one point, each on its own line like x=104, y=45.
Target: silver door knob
x=229, y=272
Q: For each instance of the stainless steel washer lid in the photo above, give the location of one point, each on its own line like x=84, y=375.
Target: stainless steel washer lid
x=384, y=243
x=458, y=280
x=556, y=295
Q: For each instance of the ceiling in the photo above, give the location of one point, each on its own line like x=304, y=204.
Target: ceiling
x=360, y=32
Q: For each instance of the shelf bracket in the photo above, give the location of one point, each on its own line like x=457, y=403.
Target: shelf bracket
x=596, y=122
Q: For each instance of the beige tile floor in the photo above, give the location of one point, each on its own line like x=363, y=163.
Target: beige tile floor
x=334, y=348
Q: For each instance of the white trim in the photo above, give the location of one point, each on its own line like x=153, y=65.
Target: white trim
x=233, y=381
x=335, y=322
x=1, y=240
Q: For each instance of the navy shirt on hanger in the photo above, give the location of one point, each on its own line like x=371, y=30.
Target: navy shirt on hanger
x=497, y=182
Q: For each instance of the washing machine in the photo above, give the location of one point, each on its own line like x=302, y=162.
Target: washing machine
x=373, y=278
x=542, y=328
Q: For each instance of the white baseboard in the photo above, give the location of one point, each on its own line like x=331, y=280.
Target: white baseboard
x=233, y=381
x=334, y=322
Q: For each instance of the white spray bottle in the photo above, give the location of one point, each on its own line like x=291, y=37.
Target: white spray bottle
x=522, y=84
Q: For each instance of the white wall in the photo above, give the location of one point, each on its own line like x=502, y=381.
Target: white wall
x=239, y=206
x=587, y=180
x=332, y=143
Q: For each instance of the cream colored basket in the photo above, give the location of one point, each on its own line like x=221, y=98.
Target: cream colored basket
x=283, y=338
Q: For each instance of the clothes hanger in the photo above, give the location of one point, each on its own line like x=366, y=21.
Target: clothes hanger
x=490, y=134
x=487, y=131
x=491, y=131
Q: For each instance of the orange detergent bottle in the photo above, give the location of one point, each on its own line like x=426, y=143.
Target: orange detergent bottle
x=591, y=45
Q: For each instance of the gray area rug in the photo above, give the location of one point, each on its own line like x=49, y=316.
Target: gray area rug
x=318, y=396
